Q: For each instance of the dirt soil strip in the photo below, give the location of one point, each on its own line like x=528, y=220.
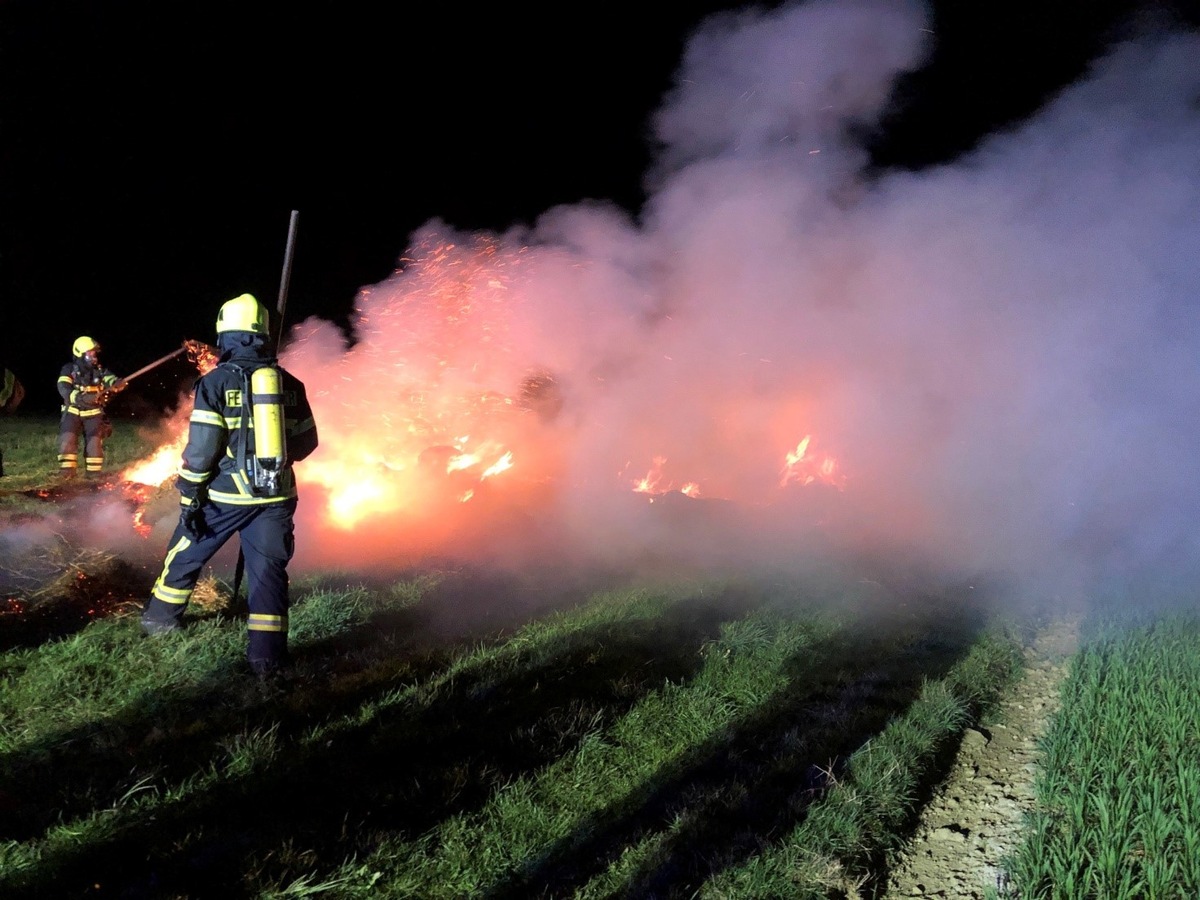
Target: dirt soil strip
x=974, y=819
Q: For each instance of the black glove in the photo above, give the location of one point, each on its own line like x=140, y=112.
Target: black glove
x=192, y=497
x=192, y=519
x=190, y=490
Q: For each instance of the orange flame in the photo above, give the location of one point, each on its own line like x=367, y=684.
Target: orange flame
x=160, y=465
x=503, y=464
x=202, y=356
x=434, y=432
x=163, y=463
x=653, y=482
x=800, y=468
x=649, y=483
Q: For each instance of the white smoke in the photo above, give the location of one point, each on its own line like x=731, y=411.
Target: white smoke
x=1000, y=352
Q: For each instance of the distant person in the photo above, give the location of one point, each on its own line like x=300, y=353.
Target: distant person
x=250, y=421
x=84, y=385
x=12, y=392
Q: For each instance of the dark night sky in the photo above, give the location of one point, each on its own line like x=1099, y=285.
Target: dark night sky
x=152, y=152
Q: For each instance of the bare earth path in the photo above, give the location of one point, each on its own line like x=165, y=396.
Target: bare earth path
x=974, y=819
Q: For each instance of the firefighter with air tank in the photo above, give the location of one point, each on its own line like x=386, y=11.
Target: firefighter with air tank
x=250, y=422
x=85, y=386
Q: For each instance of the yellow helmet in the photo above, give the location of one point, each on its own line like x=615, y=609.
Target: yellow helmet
x=243, y=313
x=83, y=344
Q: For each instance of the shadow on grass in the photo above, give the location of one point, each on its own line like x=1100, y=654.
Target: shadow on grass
x=433, y=746
x=728, y=800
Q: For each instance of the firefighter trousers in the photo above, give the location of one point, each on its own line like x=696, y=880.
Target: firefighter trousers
x=267, y=536
x=93, y=429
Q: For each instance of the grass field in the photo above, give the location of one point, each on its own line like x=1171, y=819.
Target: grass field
x=30, y=448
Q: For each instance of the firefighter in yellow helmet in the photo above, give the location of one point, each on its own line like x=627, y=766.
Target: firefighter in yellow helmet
x=84, y=385
x=250, y=422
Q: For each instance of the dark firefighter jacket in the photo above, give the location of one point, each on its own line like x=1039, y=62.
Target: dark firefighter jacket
x=83, y=388
x=216, y=435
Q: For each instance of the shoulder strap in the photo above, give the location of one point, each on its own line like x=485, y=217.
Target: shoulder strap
x=244, y=419
x=244, y=422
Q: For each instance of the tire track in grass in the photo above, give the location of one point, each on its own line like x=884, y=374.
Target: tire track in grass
x=974, y=818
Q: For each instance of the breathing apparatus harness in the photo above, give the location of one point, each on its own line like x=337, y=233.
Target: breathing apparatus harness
x=245, y=322
x=87, y=380
x=262, y=412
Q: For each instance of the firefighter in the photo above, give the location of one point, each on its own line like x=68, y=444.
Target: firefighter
x=12, y=392
x=250, y=422
x=84, y=385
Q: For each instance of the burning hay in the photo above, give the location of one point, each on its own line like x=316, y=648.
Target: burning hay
x=58, y=588
x=211, y=595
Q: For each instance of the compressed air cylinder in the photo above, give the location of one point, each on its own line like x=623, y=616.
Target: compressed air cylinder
x=270, y=449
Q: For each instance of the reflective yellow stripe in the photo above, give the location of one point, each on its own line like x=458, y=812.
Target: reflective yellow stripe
x=241, y=482
x=166, y=594
x=207, y=417
x=243, y=499
x=262, y=622
x=174, y=596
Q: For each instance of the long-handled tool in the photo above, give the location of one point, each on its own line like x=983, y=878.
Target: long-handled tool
x=158, y=362
x=107, y=392
x=286, y=277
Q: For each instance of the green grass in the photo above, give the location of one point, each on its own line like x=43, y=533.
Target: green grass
x=30, y=447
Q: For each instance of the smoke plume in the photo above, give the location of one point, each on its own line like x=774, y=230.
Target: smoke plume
x=993, y=359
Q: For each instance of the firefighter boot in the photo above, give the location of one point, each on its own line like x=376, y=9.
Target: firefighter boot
x=152, y=625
